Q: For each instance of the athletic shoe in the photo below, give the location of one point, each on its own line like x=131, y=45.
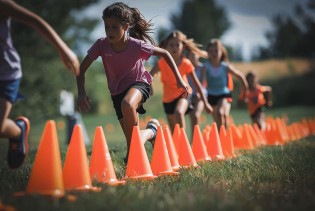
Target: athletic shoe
x=18, y=148
x=153, y=125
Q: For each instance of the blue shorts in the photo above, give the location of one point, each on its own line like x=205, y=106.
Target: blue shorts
x=9, y=90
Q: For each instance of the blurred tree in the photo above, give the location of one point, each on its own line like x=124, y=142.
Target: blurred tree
x=201, y=20
x=43, y=73
x=291, y=36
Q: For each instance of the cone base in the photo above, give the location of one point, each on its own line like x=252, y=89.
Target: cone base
x=168, y=173
x=207, y=159
x=85, y=188
x=142, y=177
x=218, y=158
x=190, y=166
x=176, y=168
x=115, y=182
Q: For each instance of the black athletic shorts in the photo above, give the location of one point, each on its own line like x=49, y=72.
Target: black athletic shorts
x=214, y=99
x=142, y=87
x=169, y=108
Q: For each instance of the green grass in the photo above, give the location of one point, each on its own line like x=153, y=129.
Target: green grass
x=268, y=178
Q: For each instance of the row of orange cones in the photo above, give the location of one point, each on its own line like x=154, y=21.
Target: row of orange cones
x=171, y=152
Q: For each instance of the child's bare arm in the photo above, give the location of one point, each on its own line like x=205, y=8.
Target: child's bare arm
x=240, y=76
x=197, y=83
x=21, y=14
x=83, y=100
x=170, y=61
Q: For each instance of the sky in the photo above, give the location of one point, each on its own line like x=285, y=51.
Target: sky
x=250, y=19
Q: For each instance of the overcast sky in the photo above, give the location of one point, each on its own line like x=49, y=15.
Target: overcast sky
x=250, y=18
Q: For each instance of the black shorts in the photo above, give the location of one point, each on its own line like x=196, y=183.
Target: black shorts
x=214, y=99
x=169, y=108
x=145, y=90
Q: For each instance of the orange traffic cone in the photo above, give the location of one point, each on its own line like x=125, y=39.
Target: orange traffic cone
x=101, y=165
x=46, y=175
x=247, y=138
x=171, y=149
x=186, y=157
x=160, y=163
x=138, y=166
x=205, y=134
x=237, y=137
x=254, y=137
x=259, y=134
x=199, y=147
x=176, y=136
x=222, y=135
x=214, y=148
x=226, y=142
x=76, y=175
x=230, y=145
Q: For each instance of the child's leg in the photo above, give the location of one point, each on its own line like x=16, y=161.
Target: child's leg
x=171, y=121
x=259, y=119
x=8, y=128
x=180, y=110
x=227, y=109
x=129, y=105
x=221, y=112
x=195, y=114
x=17, y=132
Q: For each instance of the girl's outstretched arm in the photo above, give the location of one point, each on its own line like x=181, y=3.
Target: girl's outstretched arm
x=11, y=9
x=240, y=76
x=170, y=61
x=83, y=100
x=196, y=81
x=154, y=70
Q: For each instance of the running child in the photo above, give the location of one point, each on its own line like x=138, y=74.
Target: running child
x=124, y=51
x=258, y=97
x=17, y=131
x=175, y=106
x=215, y=71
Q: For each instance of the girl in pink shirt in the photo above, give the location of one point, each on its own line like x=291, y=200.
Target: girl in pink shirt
x=123, y=52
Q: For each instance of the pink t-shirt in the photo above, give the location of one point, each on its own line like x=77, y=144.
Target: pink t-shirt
x=124, y=68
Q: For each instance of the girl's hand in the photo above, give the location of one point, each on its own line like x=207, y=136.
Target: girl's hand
x=83, y=103
x=208, y=108
x=71, y=61
x=184, y=89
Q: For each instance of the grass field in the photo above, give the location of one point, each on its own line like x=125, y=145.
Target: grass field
x=267, y=178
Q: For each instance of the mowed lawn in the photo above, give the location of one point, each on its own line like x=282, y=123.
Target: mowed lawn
x=266, y=178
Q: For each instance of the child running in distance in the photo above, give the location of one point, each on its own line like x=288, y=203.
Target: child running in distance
x=123, y=52
x=11, y=73
x=175, y=106
x=258, y=97
x=215, y=71
x=196, y=101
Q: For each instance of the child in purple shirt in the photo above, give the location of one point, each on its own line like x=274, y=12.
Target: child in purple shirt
x=123, y=52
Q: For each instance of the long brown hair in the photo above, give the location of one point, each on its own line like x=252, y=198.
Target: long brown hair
x=190, y=44
x=139, y=28
x=217, y=43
